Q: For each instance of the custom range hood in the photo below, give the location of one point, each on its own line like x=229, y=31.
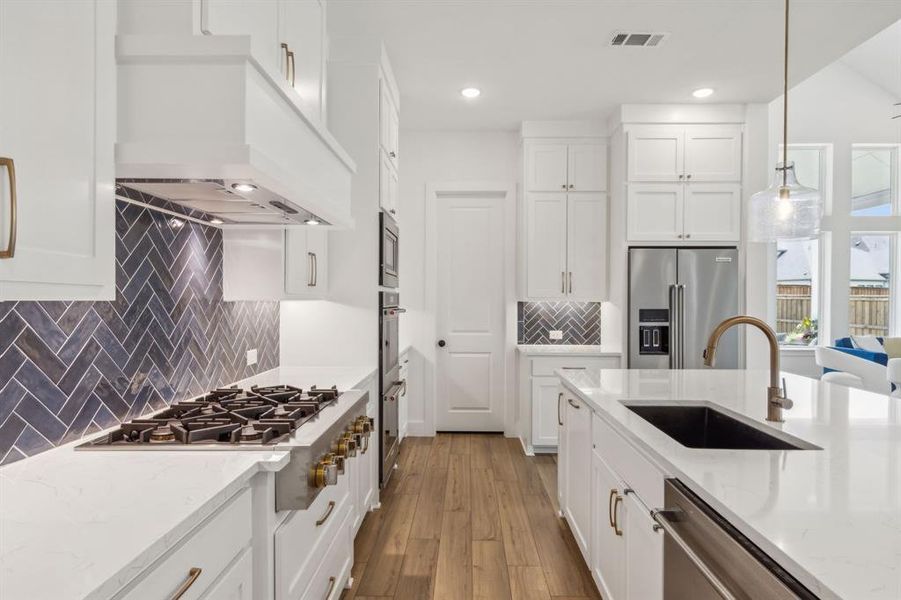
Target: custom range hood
x=201, y=123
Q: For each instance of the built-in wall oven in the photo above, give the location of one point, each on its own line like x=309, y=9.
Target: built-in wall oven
x=389, y=251
x=391, y=385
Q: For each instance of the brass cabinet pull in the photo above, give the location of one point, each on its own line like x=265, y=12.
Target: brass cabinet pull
x=331, y=586
x=559, y=417
x=293, y=67
x=287, y=52
x=573, y=404
x=193, y=574
x=13, y=219
x=328, y=513
x=315, y=270
x=610, y=507
x=310, y=281
x=616, y=528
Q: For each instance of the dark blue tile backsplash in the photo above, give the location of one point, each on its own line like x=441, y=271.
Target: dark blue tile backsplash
x=68, y=369
x=580, y=322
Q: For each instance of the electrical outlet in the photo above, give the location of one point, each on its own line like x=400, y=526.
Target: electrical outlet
x=252, y=357
x=556, y=334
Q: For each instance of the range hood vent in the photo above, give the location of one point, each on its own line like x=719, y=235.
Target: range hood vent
x=638, y=40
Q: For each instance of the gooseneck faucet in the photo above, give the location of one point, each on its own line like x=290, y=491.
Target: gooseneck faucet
x=776, y=395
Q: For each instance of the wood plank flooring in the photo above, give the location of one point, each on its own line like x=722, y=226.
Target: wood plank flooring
x=469, y=517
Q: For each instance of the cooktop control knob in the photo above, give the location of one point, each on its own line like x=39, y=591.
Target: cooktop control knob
x=337, y=461
x=346, y=446
x=325, y=472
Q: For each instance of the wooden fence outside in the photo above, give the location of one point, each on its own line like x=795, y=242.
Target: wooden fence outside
x=868, y=309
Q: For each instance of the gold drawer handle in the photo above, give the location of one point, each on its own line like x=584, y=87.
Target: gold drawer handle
x=331, y=586
x=193, y=574
x=328, y=513
x=293, y=68
x=13, y=220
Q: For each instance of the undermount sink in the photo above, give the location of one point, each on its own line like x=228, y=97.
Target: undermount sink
x=702, y=426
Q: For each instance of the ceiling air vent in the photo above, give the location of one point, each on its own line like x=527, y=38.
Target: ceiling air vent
x=641, y=40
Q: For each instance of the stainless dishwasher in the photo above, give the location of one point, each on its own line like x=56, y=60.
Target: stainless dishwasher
x=705, y=557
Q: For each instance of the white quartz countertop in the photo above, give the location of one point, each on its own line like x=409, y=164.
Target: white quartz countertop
x=567, y=349
x=82, y=524
x=831, y=517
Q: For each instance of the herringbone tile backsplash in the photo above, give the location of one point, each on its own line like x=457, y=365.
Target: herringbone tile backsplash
x=69, y=369
x=580, y=322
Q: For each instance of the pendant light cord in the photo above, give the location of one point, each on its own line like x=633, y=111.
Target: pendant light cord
x=785, y=106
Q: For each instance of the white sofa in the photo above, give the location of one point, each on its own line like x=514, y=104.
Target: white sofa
x=894, y=375
x=857, y=372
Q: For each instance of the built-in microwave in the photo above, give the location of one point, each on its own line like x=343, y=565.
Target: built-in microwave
x=389, y=252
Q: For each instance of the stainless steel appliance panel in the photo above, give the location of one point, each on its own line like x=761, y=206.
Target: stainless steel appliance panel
x=390, y=384
x=706, y=558
x=652, y=271
x=389, y=251
x=389, y=426
x=709, y=294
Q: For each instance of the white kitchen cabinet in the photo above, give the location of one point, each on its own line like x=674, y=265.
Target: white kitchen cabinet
x=388, y=186
x=60, y=149
x=389, y=124
x=644, y=550
x=259, y=20
x=236, y=583
x=577, y=478
x=546, y=410
x=306, y=262
x=670, y=212
x=586, y=246
x=546, y=245
x=587, y=167
x=566, y=246
x=302, y=27
x=403, y=401
x=684, y=153
x=560, y=167
x=608, y=544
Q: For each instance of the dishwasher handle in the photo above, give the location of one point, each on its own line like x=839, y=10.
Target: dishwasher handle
x=662, y=517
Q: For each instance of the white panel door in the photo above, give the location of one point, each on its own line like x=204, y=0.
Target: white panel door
x=587, y=244
x=236, y=583
x=306, y=262
x=654, y=212
x=608, y=550
x=644, y=550
x=712, y=211
x=58, y=128
x=656, y=153
x=577, y=428
x=546, y=167
x=546, y=245
x=712, y=153
x=303, y=29
x=258, y=19
x=545, y=406
x=587, y=166
x=470, y=313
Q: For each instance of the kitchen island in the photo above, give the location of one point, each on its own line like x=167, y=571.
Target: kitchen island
x=830, y=516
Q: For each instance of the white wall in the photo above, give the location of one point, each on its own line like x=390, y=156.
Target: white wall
x=840, y=107
x=432, y=157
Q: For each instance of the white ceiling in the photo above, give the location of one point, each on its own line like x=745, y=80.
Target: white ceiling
x=543, y=59
x=879, y=59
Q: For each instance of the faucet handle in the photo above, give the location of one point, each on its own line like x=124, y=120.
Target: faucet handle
x=784, y=389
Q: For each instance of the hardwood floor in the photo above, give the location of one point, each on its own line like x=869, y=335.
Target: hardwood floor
x=469, y=516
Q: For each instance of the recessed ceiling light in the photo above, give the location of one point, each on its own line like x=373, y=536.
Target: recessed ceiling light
x=216, y=221
x=243, y=187
x=176, y=223
x=470, y=92
x=702, y=92
x=312, y=221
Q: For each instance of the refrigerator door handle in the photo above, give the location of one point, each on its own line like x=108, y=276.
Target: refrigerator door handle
x=681, y=292
x=673, y=327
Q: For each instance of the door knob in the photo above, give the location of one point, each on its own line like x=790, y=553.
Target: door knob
x=442, y=343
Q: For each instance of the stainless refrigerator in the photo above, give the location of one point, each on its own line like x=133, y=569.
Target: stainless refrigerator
x=676, y=298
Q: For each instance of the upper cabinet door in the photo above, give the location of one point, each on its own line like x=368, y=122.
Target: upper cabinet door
x=306, y=262
x=712, y=212
x=654, y=212
x=546, y=246
x=656, y=153
x=587, y=168
x=258, y=19
x=712, y=153
x=58, y=133
x=587, y=239
x=389, y=124
x=546, y=169
x=303, y=29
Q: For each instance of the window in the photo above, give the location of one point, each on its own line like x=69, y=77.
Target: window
x=797, y=268
x=869, y=301
x=873, y=181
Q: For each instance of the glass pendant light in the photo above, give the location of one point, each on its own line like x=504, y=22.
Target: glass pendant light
x=786, y=209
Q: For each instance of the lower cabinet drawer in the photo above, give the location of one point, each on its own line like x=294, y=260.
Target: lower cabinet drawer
x=210, y=548
x=328, y=580
x=545, y=366
x=302, y=539
x=634, y=469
